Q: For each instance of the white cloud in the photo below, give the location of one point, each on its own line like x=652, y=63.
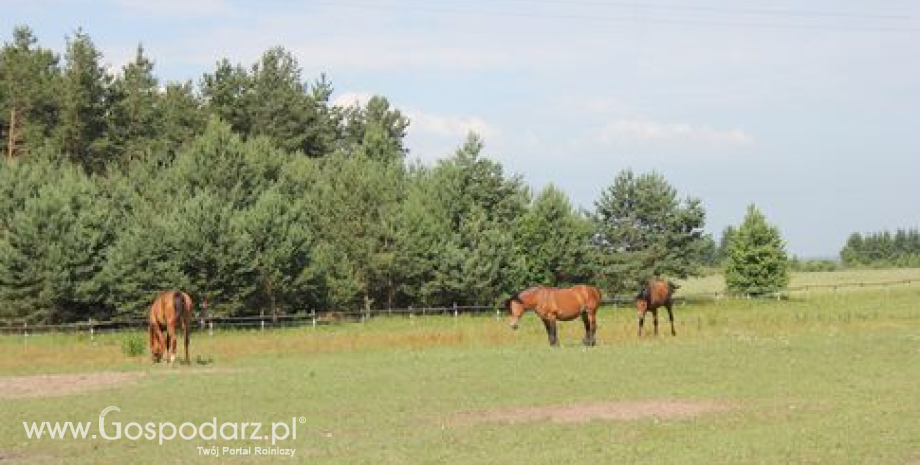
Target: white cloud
x=430, y=135
x=350, y=99
x=422, y=123
x=646, y=130
x=449, y=125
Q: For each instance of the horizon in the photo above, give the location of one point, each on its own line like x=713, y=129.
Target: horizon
x=804, y=113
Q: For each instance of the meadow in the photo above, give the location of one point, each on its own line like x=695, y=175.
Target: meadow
x=827, y=377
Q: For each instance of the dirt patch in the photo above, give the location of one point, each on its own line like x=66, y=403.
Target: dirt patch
x=16, y=387
x=60, y=385
x=617, y=411
x=210, y=370
x=8, y=457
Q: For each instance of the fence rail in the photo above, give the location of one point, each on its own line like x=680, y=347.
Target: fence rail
x=315, y=318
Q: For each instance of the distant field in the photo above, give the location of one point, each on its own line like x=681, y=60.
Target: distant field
x=830, y=378
x=716, y=283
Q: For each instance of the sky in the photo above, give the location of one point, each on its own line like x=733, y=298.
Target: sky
x=809, y=110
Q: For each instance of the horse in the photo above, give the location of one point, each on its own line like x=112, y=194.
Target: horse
x=554, y=303
x=655, y=294
x=168, y=308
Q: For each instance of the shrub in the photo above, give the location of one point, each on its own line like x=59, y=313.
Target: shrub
x=132, y=345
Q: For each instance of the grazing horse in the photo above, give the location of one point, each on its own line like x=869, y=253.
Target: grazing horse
x=554, y=303
x=169, y=308
x=656, y=293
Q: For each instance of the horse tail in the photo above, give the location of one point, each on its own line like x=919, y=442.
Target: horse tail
x=179, y=304
x=597, y=294
x=593, y=295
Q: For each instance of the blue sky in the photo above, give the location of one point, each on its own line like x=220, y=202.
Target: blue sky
x=810, y=111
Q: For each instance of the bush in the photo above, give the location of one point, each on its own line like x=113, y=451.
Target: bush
x=132, y=345
x=813, y=265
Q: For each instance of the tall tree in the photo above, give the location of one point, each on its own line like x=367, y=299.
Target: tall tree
x=725, y=242
x=279, y=243
x=136, y=120
x=757, y=261
x=554, y=241
x=423, y=240
x=82, y=131
x=272, y=100
x=377, y=127
x=477, y=206
x=353, y=207
x=278, y=106
x=226, y=94
x=643, y=230
x=183, y=116
x=29, y=82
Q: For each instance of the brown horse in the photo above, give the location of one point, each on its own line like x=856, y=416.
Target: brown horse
x=656, y=293
x=169, y=308
x=554, y=303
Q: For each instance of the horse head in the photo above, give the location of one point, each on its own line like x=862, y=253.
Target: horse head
x=516, y=306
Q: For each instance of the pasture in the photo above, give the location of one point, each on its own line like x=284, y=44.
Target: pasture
x=830, y=377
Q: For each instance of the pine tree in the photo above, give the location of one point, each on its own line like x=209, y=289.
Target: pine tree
x=184, y=118
x=422, y=241
x=643, y=230
x=279, y=243
x=29, y=82
x=354, y=203
x=553, y=241
x=477, y=206
x=757, y=262
x=82, y=135
x=53, y=250
x=135, y=121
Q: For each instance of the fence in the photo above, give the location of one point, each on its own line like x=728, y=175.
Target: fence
x=314, y=318
x=260, y=322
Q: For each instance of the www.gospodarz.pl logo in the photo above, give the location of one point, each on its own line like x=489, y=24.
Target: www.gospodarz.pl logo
x=168, y=431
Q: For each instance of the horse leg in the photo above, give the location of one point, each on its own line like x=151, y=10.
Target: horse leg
x=655, y=317
x=671, y=317
x=156, y=344
x=171, y=342
x=550, y=324
x=185, y=329
x=590, y=327
x=641, y=322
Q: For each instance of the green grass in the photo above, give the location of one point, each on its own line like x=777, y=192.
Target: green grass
x=827, y=379
x=715, y=283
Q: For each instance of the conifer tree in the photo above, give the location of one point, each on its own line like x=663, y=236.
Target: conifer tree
x=757, y=262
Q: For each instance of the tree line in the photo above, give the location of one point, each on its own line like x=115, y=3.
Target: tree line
x=250, y=189
x=899, y=249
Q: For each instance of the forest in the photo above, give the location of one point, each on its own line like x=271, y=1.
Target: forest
x=248, y=188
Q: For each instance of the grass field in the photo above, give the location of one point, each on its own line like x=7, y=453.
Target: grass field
x=715, y=283
x=831, y=378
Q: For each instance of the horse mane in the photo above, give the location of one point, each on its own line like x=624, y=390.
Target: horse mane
x=515, y=297
x=644, y=293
